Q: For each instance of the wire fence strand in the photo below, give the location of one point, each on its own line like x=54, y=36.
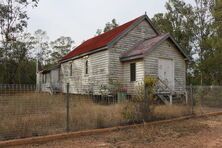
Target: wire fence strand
x=26, y=112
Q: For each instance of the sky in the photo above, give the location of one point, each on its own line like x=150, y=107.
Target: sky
x=80, y=19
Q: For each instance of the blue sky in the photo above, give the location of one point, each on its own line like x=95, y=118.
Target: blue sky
x=80, y=19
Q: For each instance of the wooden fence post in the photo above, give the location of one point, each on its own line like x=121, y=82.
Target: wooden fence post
x=146, y=109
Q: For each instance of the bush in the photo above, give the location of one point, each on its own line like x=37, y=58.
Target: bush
x=141, y=108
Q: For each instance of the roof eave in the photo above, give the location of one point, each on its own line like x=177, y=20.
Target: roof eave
x=133, y=57
x=174, y=42
x=50, y=69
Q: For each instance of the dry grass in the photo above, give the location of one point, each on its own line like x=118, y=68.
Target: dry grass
x=167, y=111
x=87, y=115
x=33, y=114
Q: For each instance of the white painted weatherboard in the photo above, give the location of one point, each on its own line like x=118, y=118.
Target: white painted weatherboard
x=168, y=51
x=81, y=83
x=131, y=86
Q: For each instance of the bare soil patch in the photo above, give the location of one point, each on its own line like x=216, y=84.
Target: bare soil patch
x=203, y=132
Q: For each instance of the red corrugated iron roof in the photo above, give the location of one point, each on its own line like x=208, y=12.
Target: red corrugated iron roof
x=98, y=41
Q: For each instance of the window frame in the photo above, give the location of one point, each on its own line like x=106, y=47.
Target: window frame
x=86, y=67
x=70, y=69
x=132, y=73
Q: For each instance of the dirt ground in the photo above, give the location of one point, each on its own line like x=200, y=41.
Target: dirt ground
x=203, y=132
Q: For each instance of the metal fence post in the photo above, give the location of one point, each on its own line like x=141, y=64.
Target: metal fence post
x=67, y=107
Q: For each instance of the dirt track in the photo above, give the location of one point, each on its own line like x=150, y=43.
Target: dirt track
x=204, y=132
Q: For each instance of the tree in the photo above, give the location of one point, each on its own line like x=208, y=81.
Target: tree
x=108, y=26
x=12, y=69
x=41, y=50
x=178, y=21
x=13, y=20
x=23, y=66
x=190, y=25
x=99, y=31
x=60, y=47
x=211, y=64
x=203, y=23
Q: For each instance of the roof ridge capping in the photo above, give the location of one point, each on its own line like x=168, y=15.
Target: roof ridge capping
x=106, y=39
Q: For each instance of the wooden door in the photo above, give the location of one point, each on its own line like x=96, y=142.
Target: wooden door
x=166, y=71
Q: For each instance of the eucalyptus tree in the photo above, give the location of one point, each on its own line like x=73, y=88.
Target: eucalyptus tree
x=13, y=21
x=60, y=47
x=108, y=26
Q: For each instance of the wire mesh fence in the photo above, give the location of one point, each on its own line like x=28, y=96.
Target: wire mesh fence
x=26, y=112
x=205, y=99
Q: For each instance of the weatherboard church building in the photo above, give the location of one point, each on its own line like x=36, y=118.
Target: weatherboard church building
x=125, y=55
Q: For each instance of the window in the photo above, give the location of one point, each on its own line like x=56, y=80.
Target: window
x=133, y=72
x=43, y=78
x=86, y=67
x=70, y=69
x=45, y=75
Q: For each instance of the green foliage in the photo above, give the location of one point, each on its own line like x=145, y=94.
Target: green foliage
x=109, y=26
x=179, y=22
x=40, y=48
x=60, y=47
x=13, y=18
x=211, y=63
x=150, y=81
x=141, y=108
x=198, y=30
x=13, y=46
x=14, y=68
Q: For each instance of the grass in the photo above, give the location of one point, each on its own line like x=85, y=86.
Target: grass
x=166, y=111
x=33, y=114
x=88, y=115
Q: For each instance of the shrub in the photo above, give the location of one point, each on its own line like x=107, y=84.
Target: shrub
x=141, y=108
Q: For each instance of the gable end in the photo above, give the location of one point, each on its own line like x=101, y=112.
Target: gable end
x=135, y=24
